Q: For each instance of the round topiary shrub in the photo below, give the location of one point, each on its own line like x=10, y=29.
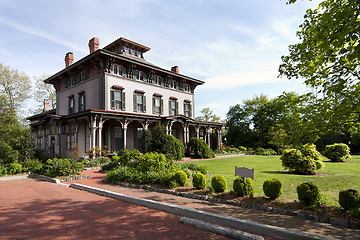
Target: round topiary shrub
x=337, y=152
x=305, y=160
x=242, y=187
x=308, y=194
x=349, y=199
x=272, y=188
x=199, y=181
x=181, y=178
x=239, y=186
x=218, y=183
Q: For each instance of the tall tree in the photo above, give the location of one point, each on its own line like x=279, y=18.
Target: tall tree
x=208, y=116
x=327, y=57
x=44, y=91
x=14, y=86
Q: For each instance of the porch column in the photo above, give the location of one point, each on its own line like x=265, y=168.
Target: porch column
x=100, y=134
x=197, y=129
x=219, y=138
x=208, y=136
x=124, y=136
x=93, y=132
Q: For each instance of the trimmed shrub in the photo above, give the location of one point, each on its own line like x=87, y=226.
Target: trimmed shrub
x=355, y=213
x=199, y=181
x=243, y=188
x=152, y=161
x=337, y=152
x=15, y=168
x=176, y=149
x=157, y=140
x=33, y=166
x=200, y=149
x=272, y=188
x=349, y=199
x=308, y=194
x=218, y=183
x=181, y=178
x=242, y=149
x=305, y=160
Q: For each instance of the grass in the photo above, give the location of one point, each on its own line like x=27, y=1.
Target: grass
x=333, y=178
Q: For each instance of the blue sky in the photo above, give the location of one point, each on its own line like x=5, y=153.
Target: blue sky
x=234, y=46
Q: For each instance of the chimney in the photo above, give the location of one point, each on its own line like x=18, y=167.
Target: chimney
x=93, y=44
x=175, y=69
x=69, y=58
x=46, y=105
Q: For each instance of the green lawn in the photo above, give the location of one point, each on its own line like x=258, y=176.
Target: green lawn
x=333, y=178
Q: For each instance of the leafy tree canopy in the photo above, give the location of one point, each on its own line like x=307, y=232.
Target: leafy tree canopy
x=327, y=57
x=14, y=86
x=208, y=116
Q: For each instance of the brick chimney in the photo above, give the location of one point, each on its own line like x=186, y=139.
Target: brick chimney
x=69, y=58
x=175, y=69
x=93, y=44
x=46, y=105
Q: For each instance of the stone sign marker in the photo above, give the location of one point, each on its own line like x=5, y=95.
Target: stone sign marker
x=244, y=172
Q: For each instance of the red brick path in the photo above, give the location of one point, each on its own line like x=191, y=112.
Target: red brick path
x=41, y=210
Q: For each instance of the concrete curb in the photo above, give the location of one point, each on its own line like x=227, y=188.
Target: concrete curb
x=205, y=216
x=45, y=178
x=228, y=232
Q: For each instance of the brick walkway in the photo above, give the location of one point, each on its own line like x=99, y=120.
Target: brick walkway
x=284, y=221
x=31, y=209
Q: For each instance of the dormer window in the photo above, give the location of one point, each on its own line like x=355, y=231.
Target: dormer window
x=157, y=80
x=115, y=69
x=139, y=75
x=172, y=84
x=186, y=87
x=82, y=76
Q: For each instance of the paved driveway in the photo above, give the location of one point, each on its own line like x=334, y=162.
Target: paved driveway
x=33, y=209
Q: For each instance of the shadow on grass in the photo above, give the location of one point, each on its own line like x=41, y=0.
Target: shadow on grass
x=279, y=172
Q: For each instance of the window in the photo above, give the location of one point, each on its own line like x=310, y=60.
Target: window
x=115, y=69
x=187, y=109
x=39, y=143
x=139, y=75
x=71, y=104
x=158, y=104
x=118, y=69
x=157, y=80
x=172, y=84
x=117, y=98
x=117, y=138
x=70, y=140
x=186, y=87
x=139, y=102
x=82, y=102
x=82, y=76
x=173, y=106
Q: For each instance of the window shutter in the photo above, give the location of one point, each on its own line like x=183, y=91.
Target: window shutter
x=177, y=108
x=123, y=100
x=161, y=106
x=144, y=103
x=153, y=105
x=84, y=102
x=169, y=107
x=69, y=106
x=135, y=105
x=79, y=103
x=112, y=99
x=184, y=109
x=190, y=110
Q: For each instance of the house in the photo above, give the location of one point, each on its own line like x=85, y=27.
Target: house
x=109, y=97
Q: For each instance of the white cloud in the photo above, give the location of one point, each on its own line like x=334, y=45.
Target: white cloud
x=265, y=74
x=39, y=33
